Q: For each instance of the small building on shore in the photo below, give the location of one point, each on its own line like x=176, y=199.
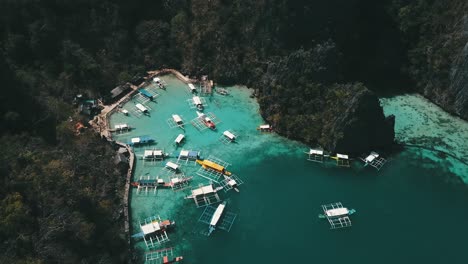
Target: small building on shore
x=117, y=93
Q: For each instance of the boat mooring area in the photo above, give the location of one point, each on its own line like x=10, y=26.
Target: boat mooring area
x=281, y=192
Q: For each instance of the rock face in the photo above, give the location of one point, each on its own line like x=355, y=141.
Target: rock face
x=437, y=37
x=451, y=94
x=363, y=126
x=344, y=118
x=458, y=89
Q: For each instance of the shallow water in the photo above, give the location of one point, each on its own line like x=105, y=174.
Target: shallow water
x=409, y=212
x=423, y=123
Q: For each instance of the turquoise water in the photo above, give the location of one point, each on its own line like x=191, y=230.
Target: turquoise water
x=421, y=122
x=412, y=211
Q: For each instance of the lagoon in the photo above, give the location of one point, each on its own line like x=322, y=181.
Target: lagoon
x=411, y=211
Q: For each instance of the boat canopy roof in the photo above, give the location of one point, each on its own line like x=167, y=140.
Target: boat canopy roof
x=191, y=86
x=213, y=165
x=141, y=107
x=265, y=127
x=148, y=153
x=175, y=180
x=197, y=100
x=193, y=154
x=150, y=228
x=372, y=156
x=342, y=156
x=184, y=153
x=121, y=126
x=172, y=165
x=124, y=111
x=135, y=140
x=179, y=138
x=203, y=190
x=157, y=153
x=156, y=79
x=177, y=118
x=146, y=182
x=337, y=212
x=217, y=214
x=145, y=93
x=232, y=182
x=229, y=135
x=316, y=151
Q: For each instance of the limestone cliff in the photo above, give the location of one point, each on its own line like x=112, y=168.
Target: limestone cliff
x=344, y=118
x=436, y=33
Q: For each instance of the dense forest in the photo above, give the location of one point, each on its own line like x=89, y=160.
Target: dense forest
x=308, y=61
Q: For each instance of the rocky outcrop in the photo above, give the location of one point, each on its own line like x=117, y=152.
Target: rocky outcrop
x=458, y=89
x=345, y=118
x=362, y=126
x=436, y=33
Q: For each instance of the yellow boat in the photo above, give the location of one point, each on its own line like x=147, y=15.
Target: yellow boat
x=207, y=164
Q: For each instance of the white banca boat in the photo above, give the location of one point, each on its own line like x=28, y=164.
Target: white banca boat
x=159, y=82
x=337, y=212
x=192, y=88
x=230, y=136
x=337, y=215
x=198, y=103
x=215, y=218
x=206, y=120
x=265, y=128
x=179, y=139
x=141, y=108
x=178, y=120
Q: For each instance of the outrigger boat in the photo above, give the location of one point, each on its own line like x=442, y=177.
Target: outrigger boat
x=231, y=182
x=159, y=83
x=203, y=191
x=206, y=120
x=198, y=103
x=265, y=128
x=337, y=213
x=216, y=216
x=154, y=227
x=160, y=182
x=178, y=120
x=140, y=140
x=207, y=164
